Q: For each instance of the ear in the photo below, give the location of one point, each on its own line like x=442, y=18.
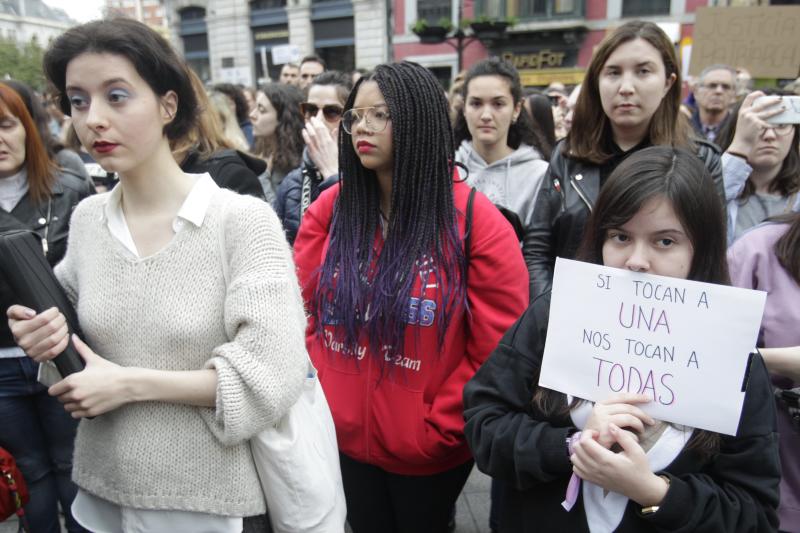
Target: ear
x=668, y=84
x=169, y=107
x=517, y=111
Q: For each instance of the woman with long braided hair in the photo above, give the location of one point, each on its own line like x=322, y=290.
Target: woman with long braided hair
x=403, y=309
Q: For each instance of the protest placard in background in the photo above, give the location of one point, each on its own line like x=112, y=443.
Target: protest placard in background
x=763, y=39
x=684, y=343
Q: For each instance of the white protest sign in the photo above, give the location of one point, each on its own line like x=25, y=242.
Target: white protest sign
x=684, y=343
x=285, y=53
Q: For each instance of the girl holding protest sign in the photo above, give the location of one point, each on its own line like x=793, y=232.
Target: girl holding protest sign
x=659, y=214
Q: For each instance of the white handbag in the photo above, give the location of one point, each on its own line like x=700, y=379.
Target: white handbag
x=298, y=465
x=298, y=458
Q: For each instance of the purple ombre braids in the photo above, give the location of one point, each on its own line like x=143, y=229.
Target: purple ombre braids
x=367, y=294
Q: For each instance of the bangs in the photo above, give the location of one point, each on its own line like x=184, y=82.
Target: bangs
x=5, y=111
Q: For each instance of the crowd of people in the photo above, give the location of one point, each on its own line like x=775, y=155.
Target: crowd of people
x=404, y=238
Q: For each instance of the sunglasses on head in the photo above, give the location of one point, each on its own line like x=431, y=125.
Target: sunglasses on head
x=330, y=112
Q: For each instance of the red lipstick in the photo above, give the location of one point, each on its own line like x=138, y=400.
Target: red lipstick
x=104, y=147
x=364, y=147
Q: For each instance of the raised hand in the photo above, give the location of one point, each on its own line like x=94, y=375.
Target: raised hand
x=752, y=120
x=322, y=147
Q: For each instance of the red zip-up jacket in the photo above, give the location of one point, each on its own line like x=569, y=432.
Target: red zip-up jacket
x=404, y=412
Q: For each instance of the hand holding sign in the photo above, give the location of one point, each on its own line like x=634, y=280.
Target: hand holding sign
x=683, y=344
x=618, y=410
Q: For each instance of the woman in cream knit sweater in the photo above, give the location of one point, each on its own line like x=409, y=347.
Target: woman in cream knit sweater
x=186, y=363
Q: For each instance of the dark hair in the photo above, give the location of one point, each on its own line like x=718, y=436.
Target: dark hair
x=422, y=227
x=314, y=58
x=542, y=114
x=680, y=177
x=787, y=180
x=521, y=131
x=38, y=165
x=237, y=95
x=151, y=55
x=590, y=140
x=40, y=117
x=787, y=249
x=286, y=145
x=342, y=82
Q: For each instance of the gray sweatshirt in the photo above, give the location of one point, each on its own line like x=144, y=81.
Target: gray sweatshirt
x=511, y=182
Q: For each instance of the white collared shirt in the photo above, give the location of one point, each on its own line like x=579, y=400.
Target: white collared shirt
x=193, y=210
x=100, y=515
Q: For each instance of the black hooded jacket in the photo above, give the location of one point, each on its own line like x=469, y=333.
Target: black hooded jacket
x=230, y=169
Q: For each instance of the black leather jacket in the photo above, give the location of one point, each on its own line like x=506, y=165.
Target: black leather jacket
x=566, y=197
x=50, y=219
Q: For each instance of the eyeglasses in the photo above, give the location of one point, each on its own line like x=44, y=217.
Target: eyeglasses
x=714, y=86
x=780, y=130
x=376, y=118
x=331, y=112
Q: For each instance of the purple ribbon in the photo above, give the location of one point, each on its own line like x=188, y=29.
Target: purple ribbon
x=572, y=492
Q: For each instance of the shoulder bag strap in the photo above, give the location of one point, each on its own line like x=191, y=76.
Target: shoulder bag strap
x=468, y=229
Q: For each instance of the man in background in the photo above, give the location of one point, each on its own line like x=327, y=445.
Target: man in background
x=310, y=67
x=290, y=74
x=715, y=94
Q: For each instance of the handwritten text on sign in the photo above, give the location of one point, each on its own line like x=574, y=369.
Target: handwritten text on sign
x=762, y=39
x=683, y=343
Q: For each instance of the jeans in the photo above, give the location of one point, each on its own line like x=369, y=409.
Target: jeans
x=379, y=501
x=40, y=435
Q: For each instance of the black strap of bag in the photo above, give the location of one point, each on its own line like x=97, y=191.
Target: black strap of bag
x=468, y=230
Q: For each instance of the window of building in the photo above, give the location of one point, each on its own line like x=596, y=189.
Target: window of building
x=644, y=8
x=256, y=5
x=195, y=43
x=192, y=13
x=444, y=75
x=529, y=9
x=434, y=10
x=341, y=58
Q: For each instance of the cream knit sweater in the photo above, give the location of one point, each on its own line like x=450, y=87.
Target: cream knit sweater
x=174, y=311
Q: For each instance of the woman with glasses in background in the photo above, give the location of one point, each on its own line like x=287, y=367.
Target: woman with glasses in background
x=762, y=164
x=319, y=169
x=402, y=311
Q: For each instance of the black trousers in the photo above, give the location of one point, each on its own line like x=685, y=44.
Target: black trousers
x=382, y=502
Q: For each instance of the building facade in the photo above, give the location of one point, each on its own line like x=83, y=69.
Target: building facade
x=552, y=40
x=151, y=12
x=24, y=21
x=238, y=41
